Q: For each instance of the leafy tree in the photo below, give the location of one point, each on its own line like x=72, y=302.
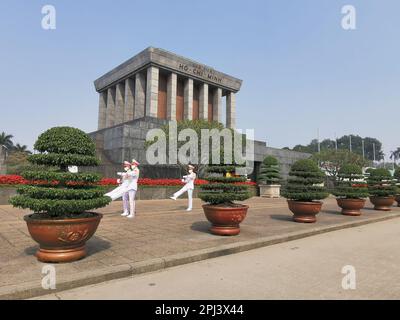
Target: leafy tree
x=197, y=126
x=331, y=160
x=395, y=155
x=6, y=140
x=343, y=143
x=60, y=193
x=21, y=148
x=304, y=183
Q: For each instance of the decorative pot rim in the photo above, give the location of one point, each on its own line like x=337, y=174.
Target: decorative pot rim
x=239, y=206
x=388, y=197
x=305, y=202
x=351, y=199
x=97, y=216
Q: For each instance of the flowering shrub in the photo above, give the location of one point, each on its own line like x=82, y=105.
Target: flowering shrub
x=18, y=180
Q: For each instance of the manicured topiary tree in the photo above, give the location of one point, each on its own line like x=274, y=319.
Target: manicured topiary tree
x=305, y=184
x=350, y=183
x=220, y=193
x=381, y=183
x=382, y=189
x=223, y=188
x=60, y=193
x=350, y=189
x=269, y=171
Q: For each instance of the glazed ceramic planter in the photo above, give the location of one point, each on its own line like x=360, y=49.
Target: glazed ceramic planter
x=382, y=203
x=62, y=240
x=304, y=211
x=351, y=207
x=270, y=190
x=225, y=220
x=397, y=198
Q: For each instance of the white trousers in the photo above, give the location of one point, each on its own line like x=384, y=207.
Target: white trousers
x=190, y=195
x=129, y=202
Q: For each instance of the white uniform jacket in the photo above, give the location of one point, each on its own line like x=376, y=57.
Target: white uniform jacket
x=129, y=182
x=189, y=181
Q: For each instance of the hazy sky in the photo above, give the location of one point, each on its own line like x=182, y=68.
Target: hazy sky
x=301, y=70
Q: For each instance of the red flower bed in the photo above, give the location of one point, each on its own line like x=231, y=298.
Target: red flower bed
x=12, y=179
x=15, y=180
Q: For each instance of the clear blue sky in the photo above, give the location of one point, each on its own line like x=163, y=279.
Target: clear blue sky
x=301, y=71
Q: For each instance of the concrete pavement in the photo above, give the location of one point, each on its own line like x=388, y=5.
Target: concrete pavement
x=162, y=235
x=309, y=268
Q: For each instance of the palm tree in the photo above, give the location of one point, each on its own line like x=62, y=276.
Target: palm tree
x=23, y=148
x=395, y=155
x=5, y=140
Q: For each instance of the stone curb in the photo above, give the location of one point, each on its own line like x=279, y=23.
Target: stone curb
x=33, y=289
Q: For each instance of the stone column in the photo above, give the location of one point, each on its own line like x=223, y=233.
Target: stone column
x=110, y=118
x=171, y=96
x=152, y=92
x=231, y=110
x=203, y=101
x=217, y=97
x=140, y=95
x=102, y=110
x=129, y=99
x=119, y=103
x=188, y=99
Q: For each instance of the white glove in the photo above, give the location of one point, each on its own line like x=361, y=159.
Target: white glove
x=118, y=181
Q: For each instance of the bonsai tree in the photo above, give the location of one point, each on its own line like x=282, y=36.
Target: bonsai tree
x=269, y=171
x=305, y=184
x=350, y=189
x=382, y=189
x=221, y=192
x=269, y=178
x=60, y=198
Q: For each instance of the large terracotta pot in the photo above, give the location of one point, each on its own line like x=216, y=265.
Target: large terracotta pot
x=225, y=220
x=397, y=198
x=304, y=211
x=382, y=203
x=351, y=207
x=62, y=240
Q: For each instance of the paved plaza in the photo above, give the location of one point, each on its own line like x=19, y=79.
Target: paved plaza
x=162, y=235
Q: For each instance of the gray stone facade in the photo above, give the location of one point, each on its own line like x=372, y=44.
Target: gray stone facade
x=127, y=141
x=132, y=89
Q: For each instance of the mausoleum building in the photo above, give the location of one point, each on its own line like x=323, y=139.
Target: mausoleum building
x=160, y=84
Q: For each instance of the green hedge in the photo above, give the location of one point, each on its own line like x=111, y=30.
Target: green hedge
x=302, y=183
x=58, y=159
x=62, y=176
x=65, y=140
x=57, y=207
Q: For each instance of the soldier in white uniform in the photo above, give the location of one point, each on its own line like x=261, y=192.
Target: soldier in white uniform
x=189, y=187
x=127, y=189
